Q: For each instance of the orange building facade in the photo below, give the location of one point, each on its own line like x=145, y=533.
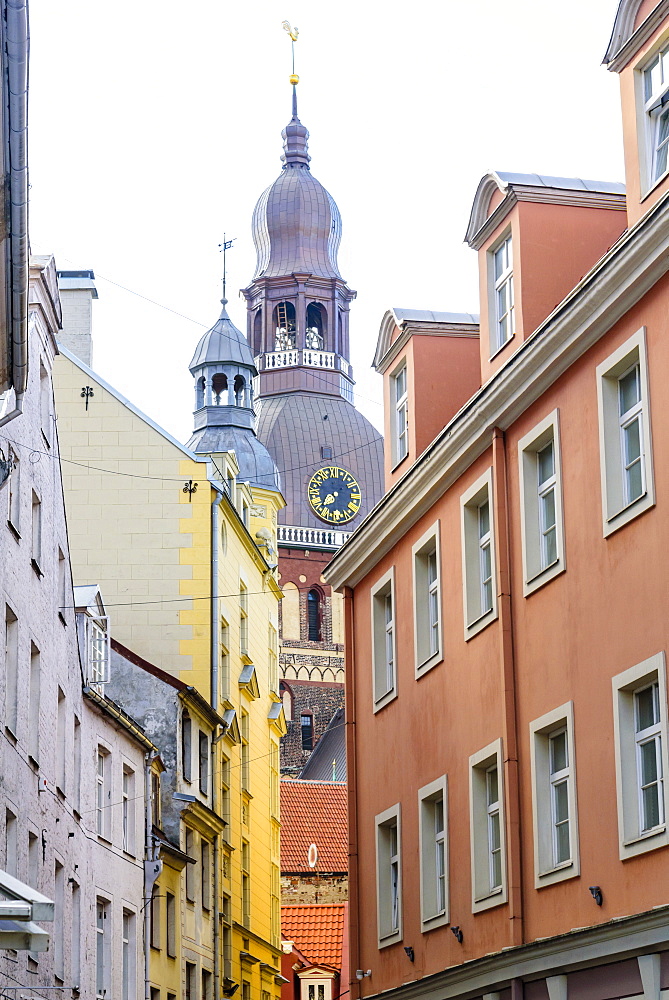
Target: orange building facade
x=505, y=603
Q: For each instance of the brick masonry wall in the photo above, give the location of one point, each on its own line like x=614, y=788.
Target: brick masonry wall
x=313, y=889
x=322, y=700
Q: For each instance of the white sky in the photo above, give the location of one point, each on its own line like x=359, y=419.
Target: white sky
x=155, y=126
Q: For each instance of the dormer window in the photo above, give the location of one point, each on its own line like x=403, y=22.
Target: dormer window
x=656, y=98
x=98, y=651
x=502, y=274
x=400, y=435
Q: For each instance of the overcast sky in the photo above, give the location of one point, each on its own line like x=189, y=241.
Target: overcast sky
x=155, y=127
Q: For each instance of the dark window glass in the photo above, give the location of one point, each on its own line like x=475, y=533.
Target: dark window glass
x=307, y=727
x=314, y=615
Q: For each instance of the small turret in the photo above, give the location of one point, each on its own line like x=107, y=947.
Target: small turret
x=223, y=369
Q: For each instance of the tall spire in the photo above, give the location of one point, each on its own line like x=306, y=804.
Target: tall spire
x=295, y=135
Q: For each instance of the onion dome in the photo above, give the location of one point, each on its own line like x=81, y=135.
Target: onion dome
x=296, y=223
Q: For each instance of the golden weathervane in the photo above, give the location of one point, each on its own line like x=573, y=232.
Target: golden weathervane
x=293, y=32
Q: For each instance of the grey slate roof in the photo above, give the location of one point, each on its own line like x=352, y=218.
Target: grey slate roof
x=293, y=429
x=223, y=342
x=255, y=463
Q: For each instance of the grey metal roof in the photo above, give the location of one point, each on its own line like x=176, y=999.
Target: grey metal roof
x=566, y=183
x=254, y=460
x=296, y=224
x=223, y=342
x=429, y=316
x=295, y=427
x=330, y=747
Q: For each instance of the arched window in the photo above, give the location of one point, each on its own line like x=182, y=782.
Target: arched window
x=287, y=699
x=257, y=332
x=199, y=392
x=239, y=386
x=219, y=386
x=307, y=730
x=316, y=327
x=314, y=615
x=284, y=319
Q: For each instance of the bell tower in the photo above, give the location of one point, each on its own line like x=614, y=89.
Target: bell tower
x=298, y=302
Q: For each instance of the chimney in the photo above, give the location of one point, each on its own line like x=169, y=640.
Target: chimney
x=77, y=291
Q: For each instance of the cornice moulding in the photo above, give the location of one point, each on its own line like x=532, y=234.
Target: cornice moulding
x=616, y=60
x=602, y=297
x=620, y=938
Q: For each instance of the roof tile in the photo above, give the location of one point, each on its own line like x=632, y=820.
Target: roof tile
x=313, y=812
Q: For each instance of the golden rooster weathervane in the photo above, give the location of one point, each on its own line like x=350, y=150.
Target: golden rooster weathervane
x=293, y=32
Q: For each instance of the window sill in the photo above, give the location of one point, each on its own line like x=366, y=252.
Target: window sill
x=473, y=628
x=567, y=870
x=431, y=923
x=427, y=665
x=498, y=350
x=398, y=463
x=646, y=835
x=543, y=577
x=497, y=897
x=653, y=186
x=104, y=839
x=14, y=530
x=36, y=566
x=392, y=937
x=628, y=513
x=384, y=700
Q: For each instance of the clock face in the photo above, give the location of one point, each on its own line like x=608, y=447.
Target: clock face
x=334, y=495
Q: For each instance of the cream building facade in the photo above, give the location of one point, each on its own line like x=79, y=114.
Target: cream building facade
x=183, y=548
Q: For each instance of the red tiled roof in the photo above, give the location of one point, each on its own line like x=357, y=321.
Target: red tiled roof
x=317, y=931
x=313, y=812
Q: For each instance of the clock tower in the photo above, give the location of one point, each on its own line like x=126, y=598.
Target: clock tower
x=329, y=456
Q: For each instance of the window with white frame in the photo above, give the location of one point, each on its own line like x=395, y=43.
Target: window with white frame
x=225, y=660
x=541, y=504
x=501, y=262
x=14, y=512
x=656, y=110
x=384, y=640
x=399, y=415
x=128, y=809
x=102, y=949
x=626, y=456
x=556, y=853
x=389, y=876
x=97, y=646
x=641, y=754
x=487, y=830
x=103, y=793
x=478, y=556
x=243, y=619
x=427, y=601
x=36, y=533
x=433, y=855
x=129, y=955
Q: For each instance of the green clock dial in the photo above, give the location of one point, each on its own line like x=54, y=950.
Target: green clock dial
x=334, y=495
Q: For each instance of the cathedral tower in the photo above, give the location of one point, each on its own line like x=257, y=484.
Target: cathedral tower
x=329, y=456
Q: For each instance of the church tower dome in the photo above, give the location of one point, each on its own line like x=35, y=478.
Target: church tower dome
x=298, y=302
x=223, y=369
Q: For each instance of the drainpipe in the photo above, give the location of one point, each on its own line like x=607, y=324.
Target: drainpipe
x=508, y=683
x=355, y=988
x=17, y=59
x=215, y=615
x=215, y=619
x=148, y=881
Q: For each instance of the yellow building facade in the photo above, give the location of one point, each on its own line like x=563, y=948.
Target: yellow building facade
x=185, y=555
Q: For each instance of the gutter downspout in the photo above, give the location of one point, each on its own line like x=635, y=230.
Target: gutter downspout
x=152, y=870
x=215, y=618
x=508, y=684
x=17, y=53
x=355, y=987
